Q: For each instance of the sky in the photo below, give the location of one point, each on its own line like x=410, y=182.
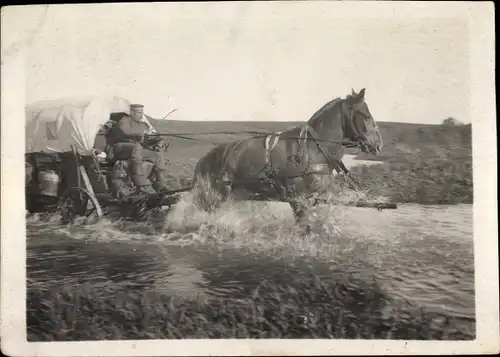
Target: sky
x=258, y=61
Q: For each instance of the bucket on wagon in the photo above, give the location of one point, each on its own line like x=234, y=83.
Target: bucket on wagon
x=48, y=183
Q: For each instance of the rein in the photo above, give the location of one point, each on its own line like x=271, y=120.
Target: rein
x=255, y=134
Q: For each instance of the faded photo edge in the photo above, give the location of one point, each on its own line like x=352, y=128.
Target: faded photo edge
x=13, y=249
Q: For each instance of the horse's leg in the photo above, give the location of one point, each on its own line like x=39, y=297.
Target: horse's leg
x=209, y=194
x=301, y=214
x=304, y=205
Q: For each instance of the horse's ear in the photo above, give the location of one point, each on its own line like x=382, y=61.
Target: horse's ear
x=353, y=93
x=362, y=93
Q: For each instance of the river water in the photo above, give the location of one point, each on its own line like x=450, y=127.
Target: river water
x=422, y=254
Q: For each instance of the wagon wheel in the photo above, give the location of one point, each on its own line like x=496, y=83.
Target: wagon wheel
x=78, y=202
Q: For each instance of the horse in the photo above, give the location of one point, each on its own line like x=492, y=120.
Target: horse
x=287, y=166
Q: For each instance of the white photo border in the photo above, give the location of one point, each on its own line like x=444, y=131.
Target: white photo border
x=480, y=18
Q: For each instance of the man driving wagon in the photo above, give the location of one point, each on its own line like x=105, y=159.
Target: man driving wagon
x=127, y=141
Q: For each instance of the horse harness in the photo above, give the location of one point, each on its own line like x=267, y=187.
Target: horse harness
x=302, y=155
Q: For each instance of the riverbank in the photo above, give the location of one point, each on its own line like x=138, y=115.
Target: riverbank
x=417, y=180
x=424, y=164
x=347, y=309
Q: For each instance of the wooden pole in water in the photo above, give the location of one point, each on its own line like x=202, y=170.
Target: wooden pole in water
x=377, y=205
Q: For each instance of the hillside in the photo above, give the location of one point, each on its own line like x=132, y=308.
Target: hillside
x=403, y=141
x=427, y=164
x=422, y=163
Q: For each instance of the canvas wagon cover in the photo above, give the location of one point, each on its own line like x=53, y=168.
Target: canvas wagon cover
x=56, y=125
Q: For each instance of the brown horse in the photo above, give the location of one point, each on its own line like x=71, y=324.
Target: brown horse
x=287, y=166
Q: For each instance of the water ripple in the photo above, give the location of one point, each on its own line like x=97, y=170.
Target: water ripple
x=419, y=253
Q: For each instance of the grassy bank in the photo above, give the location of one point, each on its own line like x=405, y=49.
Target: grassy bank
x=426, y=164
x=419, y=181
x=422, y=164
x=348, y=309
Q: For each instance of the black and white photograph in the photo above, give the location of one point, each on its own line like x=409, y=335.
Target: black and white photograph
x=249, y=178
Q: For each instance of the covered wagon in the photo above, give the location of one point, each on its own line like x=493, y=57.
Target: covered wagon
x=66, y=165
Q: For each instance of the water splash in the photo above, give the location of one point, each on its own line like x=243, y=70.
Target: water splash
x=414, y=251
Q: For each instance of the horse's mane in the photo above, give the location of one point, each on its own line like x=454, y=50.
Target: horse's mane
x=330, y=105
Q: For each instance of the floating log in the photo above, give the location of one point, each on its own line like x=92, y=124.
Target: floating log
x=377, y=205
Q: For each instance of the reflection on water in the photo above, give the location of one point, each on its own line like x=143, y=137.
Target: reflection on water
x=118, y=266
x=424, y=254
x=350, y=161
x=178, y=271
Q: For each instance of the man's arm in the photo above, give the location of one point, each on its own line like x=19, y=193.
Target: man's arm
x=151, y=129
x=127, y=130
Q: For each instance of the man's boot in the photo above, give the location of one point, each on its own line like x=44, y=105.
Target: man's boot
x=138, y=178
x=160, y=184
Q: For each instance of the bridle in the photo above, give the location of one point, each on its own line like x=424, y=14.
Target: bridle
x=350, y=122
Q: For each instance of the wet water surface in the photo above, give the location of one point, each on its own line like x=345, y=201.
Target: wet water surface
x=417, y=253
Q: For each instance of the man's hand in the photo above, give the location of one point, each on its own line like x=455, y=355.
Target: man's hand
x=154, y=142
x=152, y=139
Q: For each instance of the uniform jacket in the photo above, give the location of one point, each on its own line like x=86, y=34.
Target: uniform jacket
x=127, y=130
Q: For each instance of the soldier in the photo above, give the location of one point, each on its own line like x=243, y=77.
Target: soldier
x=126, y=140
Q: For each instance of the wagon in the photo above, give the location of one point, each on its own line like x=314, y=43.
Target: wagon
x=66, y=168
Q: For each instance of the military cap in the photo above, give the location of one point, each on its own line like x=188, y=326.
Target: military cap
x=136, y=106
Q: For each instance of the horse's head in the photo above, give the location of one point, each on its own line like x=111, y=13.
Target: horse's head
x=360, y=125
